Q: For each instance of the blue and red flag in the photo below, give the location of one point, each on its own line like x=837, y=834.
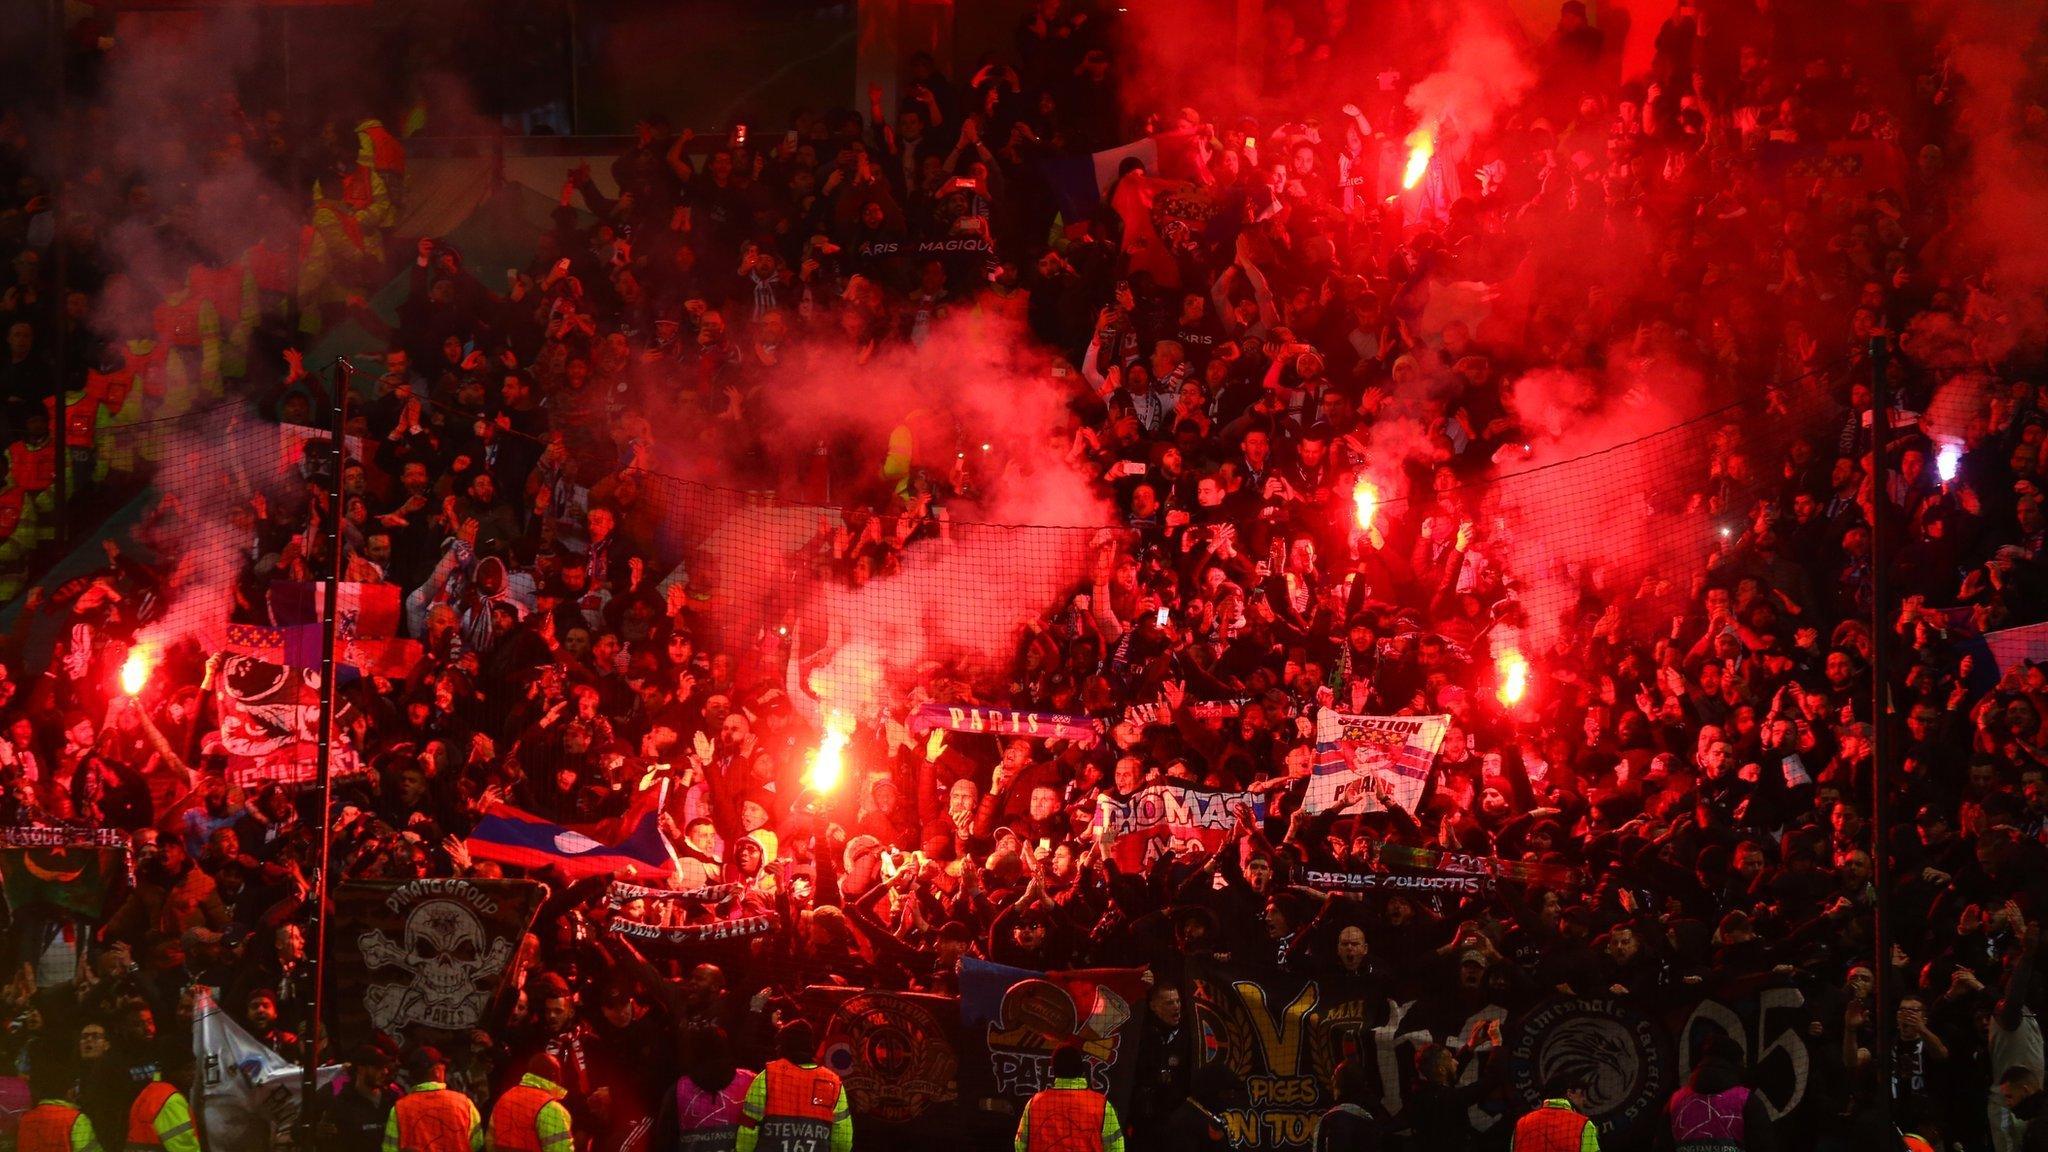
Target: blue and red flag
x=1017, y=1018
x=629, y=842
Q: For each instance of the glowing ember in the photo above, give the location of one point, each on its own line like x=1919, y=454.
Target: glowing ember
x=828, y=764
x=1367, y=499
x=1514, y=677
x=1420, y=148
x=134, y=672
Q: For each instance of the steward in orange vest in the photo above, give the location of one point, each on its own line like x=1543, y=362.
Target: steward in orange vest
x=1557, y=1124
x=530, y=1116
x=161, y=1118
x=55, y=1124
x=433, y=1117
x=794, y=1105
x=1069, y=1116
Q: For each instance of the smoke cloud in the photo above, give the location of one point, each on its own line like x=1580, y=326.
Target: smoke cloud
x=1570, y=525
x=975, y=399
x=1996, y=222
x=172, y=162
x=1483, y=75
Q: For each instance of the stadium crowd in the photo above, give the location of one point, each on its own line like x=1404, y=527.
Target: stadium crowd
x=1694, y=753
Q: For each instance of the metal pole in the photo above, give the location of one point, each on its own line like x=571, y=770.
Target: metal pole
x=1880, y=816
x=59, y=354
x=329, y=615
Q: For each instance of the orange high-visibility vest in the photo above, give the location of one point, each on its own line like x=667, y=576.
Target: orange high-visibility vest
x=433, y=1121
x=1064, y=1120
x=142, y=1114
x=1550, y=1129
x=47, y=1128
x=515, y=1121
x=33, y=468
x=800, y=1105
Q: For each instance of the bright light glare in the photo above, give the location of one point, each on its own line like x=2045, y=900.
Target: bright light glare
x=134, y=672
x=1513, y=671
x=828, y=764
x=1367, y=499
x=1420, y=148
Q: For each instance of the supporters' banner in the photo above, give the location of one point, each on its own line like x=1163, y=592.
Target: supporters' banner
x=362, y=610
x=45, y=836
x=299, y=646
x=67, y=879
x=1284, y=1034
x=247, y=1096
x=629, y=842
x=1170, y=818
x=1159, y=713
x=950, y=246
x=428, y=956
x=1081, y=730
x=1436, y=890
x=1468, y=864
x=701, y=932
x=619, y=893
x=1012, y=1019
x=689, y=916
x=1395, y=751
x=270, y=723
x=1633, y=1056
x=894, y=1052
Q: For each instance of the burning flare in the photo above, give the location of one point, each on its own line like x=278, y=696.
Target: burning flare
x=1421, y=146
x=1947, y=461
x=1367, y=499
x=828, y=764
x=1514, y=677
x=134, y=672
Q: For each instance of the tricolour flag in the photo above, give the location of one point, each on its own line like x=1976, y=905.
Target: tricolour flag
x=298, y=646
x=629, y=842
x=364, y=610
x=1397, y=751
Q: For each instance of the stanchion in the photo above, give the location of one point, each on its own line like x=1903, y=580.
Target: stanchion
x=1880, y=814
x=324, y=763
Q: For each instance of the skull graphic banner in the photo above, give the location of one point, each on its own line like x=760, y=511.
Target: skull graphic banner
x=421, y=957
x=270, y=722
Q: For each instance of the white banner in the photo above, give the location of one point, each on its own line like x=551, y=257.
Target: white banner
x=247, y=1096
x=1395, y=751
